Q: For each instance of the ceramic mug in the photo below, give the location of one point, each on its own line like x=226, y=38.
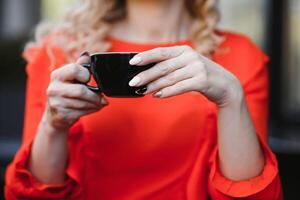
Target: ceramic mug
x=112, y=73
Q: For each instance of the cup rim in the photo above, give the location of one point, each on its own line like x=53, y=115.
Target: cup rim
x=111, y=52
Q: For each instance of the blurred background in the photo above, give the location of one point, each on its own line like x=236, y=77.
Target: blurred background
x=272, y=24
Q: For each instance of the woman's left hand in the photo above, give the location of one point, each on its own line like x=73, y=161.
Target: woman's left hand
x=181, y=69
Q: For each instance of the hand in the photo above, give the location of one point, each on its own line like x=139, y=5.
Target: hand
x=68, y=97
x=181, y=69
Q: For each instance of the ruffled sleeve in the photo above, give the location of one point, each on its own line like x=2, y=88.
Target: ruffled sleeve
x=250, y=66
x=20, y=183
x=265, y=186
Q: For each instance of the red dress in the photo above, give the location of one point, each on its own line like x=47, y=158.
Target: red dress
x=148, y=148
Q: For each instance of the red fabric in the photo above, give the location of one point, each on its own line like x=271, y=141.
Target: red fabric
x=148, y=148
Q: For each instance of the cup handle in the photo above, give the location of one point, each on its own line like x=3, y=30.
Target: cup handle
x=92, y=88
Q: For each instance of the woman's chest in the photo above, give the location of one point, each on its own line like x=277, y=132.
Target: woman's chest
x=134, y=133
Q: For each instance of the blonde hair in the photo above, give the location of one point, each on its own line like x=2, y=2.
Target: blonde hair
x=86, y=27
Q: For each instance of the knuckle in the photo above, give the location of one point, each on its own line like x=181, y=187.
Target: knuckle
x=82, y=90
x=178, y=63
x=51, y=90
x=165, y=68
x=164, y=53
x=84, y=105
x=181, y=86
x=192, y=55
x=186, y=48
x=81, y=105
x=76, y=92
x=74, y=69
x=199, y=67
x=202, y=78
x=154, y=84
x=55, y=104
x=172, y=78
x=54, y=75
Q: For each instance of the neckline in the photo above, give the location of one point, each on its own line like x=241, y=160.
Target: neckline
x=121, y=42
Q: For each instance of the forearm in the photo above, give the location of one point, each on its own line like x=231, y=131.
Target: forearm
x=240, y=154
x=68, y=99
x=49, y=154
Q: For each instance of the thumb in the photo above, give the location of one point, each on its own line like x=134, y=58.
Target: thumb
x=84, y=58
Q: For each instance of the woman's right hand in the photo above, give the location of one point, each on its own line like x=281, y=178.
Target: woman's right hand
x=68, y=97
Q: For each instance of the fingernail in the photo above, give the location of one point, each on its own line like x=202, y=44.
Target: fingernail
x=135, y=81
x=135, y=60
x=141, y=90
x=104, y=101
x=84, y=53
x=158, y=94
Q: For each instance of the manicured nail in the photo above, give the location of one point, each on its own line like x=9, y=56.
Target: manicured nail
x=135, y=60
x=141, y=90
x=158, y=94
x=135, y=81
x=104, y=101
x=84, y=53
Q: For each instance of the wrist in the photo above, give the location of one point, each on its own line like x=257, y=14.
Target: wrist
x=234, y=97
x=50, y=127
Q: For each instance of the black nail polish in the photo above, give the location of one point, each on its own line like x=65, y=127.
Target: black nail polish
x=84, y=53
x=141, y=90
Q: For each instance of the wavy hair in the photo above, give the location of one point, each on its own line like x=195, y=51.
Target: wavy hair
x=87, y=26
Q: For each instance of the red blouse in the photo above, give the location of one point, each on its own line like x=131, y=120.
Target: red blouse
x=148, y=148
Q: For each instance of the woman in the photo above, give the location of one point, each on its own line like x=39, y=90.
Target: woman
x=200, y=142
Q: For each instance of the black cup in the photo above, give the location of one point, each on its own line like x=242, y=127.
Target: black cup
x=112, y=73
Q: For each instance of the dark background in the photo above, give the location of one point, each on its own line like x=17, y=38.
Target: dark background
x=284, y=123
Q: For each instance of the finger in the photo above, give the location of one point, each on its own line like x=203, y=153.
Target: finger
x=160, y=69
x=163, y=68
x=71, y=103
x=178, y=88
x=82, y=92
x=172, y=78
x=71, y=72
x=158, y=55
x=84, y=58
x=77, y=91
x=70, y=115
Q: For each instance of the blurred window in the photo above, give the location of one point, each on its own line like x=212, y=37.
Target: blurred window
x=18, y=17
x=291, y=60
x=246, y=16
x=54, y=9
